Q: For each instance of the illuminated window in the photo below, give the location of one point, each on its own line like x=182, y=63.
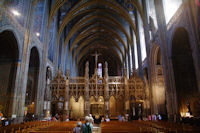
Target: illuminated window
x=151, y=17
x=151, y=11
x=142, y=38
x=170, y=8
x=99, y=71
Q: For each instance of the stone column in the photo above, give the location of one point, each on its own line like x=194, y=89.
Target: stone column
x=129, y=60
x=87, y=96
x=126, y=98
x=132, y=51
x=42, y=73
x=62, y=64
x=66, y=98
x=167, y=65
x=20, y=98
x=194, y=19
x=147, y=42
x=106, y=89
x=138, y=46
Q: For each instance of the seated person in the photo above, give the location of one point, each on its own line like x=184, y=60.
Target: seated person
x=120, y=118
x=107, y=119
x=102, y=119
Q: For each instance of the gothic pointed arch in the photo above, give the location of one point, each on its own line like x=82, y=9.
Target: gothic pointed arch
x=184, y=71
x=158, y=86
x=9, y=62
x=32, y=81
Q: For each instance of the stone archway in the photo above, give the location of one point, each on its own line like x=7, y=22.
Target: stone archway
x=32, y=82
x=112, y=106
x=184, y=71
x=97, y=107
x=76, y=108
x=119, y=106
x=158, y=89
x=9, y=57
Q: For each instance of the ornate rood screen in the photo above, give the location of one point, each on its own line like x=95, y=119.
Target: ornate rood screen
x=129, y=89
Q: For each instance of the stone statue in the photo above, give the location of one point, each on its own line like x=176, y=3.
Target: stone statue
x=106, y=69
x=67, y=74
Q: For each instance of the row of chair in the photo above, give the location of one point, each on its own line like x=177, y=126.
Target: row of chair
x=25, y=127
x=147, y=126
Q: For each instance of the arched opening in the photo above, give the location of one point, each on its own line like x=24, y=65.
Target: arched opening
x=9, y=57
x=97, y=107
x=158, y=91
x=136, y=108
x=76, y=108
x=32, y=82
x=184, y=71
x=112, y=104
x=120, y=106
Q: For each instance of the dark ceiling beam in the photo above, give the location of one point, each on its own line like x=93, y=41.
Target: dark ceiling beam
x=86, y=22
x=76, y=12
x=95, y=29
x=59, y=3
x=85, y=51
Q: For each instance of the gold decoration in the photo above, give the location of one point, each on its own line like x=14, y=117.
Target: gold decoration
x=129, y=4
x=1, y=107
x=85, y=87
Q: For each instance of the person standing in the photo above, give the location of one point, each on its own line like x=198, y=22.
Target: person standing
x=91, y=121
x=77, y=129
x=1, y=115
x=86, y=128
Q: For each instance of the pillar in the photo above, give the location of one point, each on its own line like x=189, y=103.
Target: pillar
x=167, y=64
x=147, y=43
x=87, y=97
x=66, y=98
x=21, y=91
x=132, y=51
x=126, y=98
x=62, y=64
x=106, y=89
x=138, y=46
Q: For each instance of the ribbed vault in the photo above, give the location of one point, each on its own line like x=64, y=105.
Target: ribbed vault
x=104, y=26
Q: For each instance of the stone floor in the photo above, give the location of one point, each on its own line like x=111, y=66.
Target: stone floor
x=96, y=128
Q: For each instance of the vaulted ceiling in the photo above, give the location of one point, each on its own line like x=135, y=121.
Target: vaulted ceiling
x=104, y=26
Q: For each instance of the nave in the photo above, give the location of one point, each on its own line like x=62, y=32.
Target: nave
x=72, y=58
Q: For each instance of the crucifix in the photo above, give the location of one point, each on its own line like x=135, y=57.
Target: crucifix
x=96, y=58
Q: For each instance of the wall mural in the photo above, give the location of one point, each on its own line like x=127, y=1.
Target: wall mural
x=21, y=6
